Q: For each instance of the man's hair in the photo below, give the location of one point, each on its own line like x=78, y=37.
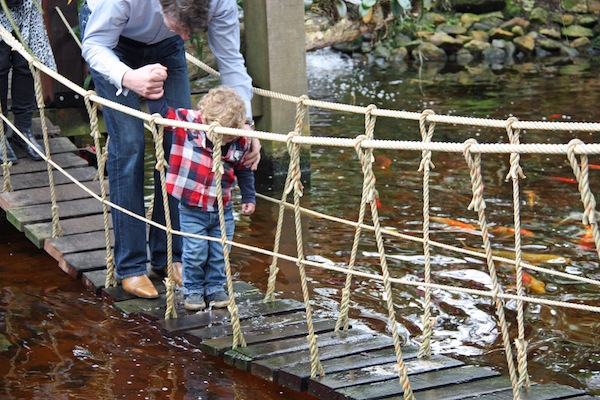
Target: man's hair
x=190, y=14
x=223, y=105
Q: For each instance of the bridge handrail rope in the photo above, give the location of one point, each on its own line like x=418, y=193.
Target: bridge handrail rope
x=364, y=145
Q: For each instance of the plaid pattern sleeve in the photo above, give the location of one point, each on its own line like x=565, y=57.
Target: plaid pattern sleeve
x=190, y=177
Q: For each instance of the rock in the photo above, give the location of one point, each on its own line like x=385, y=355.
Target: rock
x=568, y=51
x=446, y=42
x=525, y=43
x=550, y=32
x=587, y=20
x=453, y=29
x=548, y=44
x=493, y=54
x=501, y=34
x=480, y=35
x=539, y=15
x=576, y=31
x=563, y=19
x=581, y=44
x=429, y=52
x=468, y=19
x=464, y=56
x=510, y=24
x=518, y=31
x=476, y=47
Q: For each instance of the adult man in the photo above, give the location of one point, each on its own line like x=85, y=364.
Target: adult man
x=124, y=41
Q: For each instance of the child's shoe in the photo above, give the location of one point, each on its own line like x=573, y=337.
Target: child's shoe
x=218, y=299
x=194, y=302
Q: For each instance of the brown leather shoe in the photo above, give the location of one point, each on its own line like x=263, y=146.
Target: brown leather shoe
x=140, y=286
x=177, y=273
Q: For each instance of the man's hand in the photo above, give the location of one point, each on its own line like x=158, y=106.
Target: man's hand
x=248, y=208
x=147, y=81
x=252, y=158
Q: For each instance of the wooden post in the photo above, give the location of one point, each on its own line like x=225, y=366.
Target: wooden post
x=66, y=52
x=276, y=59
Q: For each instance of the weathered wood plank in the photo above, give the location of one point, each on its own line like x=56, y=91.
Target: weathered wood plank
x=58, y=145
x=219, y=316
x=426, y=380
x=38, y=233
x=367, y=344
x=219, y=346
x=41, y=195
x=59, y=247
x=40, y=179
x=64, y=160
x=352, y=375
x=536, y=392
x=94, y=280
x=465, y=390
x=22, y=216
x=75, y=264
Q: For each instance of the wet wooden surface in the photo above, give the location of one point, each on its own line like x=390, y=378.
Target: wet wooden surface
x=358, y=363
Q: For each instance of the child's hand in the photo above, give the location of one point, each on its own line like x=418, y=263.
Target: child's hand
x=248, y=208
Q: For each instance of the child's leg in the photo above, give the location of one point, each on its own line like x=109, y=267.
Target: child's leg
x=215, y=266
x=195, y=251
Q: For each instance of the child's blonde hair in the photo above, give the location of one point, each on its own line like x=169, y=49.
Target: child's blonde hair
x=223, y=105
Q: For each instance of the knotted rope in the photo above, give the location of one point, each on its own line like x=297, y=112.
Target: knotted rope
x=92, y=109
x=342, y=321
x=514, y=174
x=217, y=140
x=587, y=197
x=6, y=165
x=478, y=205
x=158, y=133
x=301, y=110
x=426, y=166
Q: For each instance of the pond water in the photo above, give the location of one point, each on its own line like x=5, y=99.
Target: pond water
x=59, y=341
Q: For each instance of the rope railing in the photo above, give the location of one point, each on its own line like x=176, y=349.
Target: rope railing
x=364, y=144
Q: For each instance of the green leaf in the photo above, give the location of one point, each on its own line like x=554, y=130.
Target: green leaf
x=405, y=4
x=368, y=3
x=397, y=10
x=362, y=11
x=341, y=8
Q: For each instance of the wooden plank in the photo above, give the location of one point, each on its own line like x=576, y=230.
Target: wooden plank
x=351, y=375
x=426, y=380
x=219, y=346
x=243, y=356
x=35, y=196
x=116, y=293
x=64, y=160
x=94, y=280
x=38, y=233
x=249, y=310
x=40, y=179
x=369, y=342
x=76, y=264
x=537, y=392
x=59, y=247
x=22, y=216
x=466, y=390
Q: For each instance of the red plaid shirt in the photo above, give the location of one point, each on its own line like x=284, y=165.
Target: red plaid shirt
x=190, y=178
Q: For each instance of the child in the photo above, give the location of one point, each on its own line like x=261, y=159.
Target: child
x=190, y=179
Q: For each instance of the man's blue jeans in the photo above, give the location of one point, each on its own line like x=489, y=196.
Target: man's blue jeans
x=203, y=261
x=126, y=150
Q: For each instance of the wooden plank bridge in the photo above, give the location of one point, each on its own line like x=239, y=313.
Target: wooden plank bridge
x=358, y=363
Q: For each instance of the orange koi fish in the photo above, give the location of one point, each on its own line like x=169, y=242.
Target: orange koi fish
x=563, y=179
x=534, y=284
x=504, y=230
x=454, y=223
x=587, y=239
x=531, y=258
x=554, y=116
x=383, y=162
x=593, y=166
x=532, y=197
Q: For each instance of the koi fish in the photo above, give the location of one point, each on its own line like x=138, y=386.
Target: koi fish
x=563, y=179
x=534, y=284
x=504, y=230
x=383, y=162
x=531, y=258
x=454, y=223
x=532, y=197
x=593, y=166
x=587, y=239
x=554, y=116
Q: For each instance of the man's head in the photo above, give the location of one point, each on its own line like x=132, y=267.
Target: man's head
x=225, y=106
x=185, y=17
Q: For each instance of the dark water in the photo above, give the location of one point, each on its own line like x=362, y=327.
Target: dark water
x=59, y=341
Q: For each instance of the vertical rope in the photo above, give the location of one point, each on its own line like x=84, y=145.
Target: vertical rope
x=7, y=184
x=425, y=167
x=161, y=166
x=369, y=177
x=587, y=197
x=301, y=110
x=217, y=139
x=342, y=320
x=514, y=174
x=56, y=228
x=478, y=204
x=92, y=109
x=296, y=186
